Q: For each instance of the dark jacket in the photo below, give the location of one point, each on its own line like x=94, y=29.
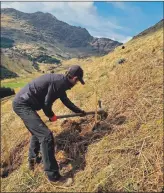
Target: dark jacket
x=44, y=90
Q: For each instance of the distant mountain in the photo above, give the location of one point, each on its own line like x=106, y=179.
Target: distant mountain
x=58, y=38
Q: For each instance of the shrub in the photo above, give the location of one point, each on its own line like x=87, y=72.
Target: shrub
x=46, y=59
x=42, y=49
x=35, y=65
x=6, y=92
x=6, y=73
x=6, y=42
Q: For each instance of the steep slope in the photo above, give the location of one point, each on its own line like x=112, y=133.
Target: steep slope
x=46, y=30
x=129, y=155
x=152, y=29
x=14, y=64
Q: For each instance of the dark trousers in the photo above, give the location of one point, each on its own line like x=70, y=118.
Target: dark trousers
x=42, y=137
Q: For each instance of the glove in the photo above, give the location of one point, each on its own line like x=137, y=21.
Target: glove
x=83, y=113
x=53, y=119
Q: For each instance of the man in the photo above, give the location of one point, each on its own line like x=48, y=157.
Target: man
x=40, y=94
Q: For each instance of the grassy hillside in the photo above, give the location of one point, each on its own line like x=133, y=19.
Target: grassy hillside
x=14, y=64
x=125, y=154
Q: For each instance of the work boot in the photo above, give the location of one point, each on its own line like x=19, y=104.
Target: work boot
x=32, y=164
x=34, y=161
x=56, y=177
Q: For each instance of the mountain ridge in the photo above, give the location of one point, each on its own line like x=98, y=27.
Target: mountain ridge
x=45, y=27
x=151, y=29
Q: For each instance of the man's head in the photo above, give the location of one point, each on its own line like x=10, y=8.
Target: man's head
x=75, y=74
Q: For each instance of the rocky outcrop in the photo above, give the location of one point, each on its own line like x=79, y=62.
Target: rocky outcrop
x=104, y=44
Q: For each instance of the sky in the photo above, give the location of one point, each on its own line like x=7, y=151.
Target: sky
x=118, y=21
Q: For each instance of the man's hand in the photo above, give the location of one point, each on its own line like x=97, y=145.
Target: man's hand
x=53, y=119
x=83, y=113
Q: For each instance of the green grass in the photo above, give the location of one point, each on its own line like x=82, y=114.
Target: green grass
x=13, y=84
x=18, y=82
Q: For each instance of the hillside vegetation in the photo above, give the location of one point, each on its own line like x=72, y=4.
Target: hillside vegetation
x=14, y=64
x=6, y=43
x=124, y=155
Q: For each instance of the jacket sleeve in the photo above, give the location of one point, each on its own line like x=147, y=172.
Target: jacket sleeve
x=47, y=108
x=66, y=101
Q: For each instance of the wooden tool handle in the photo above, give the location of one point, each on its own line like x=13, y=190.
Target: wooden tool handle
x=79, y=114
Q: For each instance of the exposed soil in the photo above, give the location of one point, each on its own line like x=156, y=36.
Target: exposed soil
x=73, y=141
x=71, y=144
x=15, y=159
